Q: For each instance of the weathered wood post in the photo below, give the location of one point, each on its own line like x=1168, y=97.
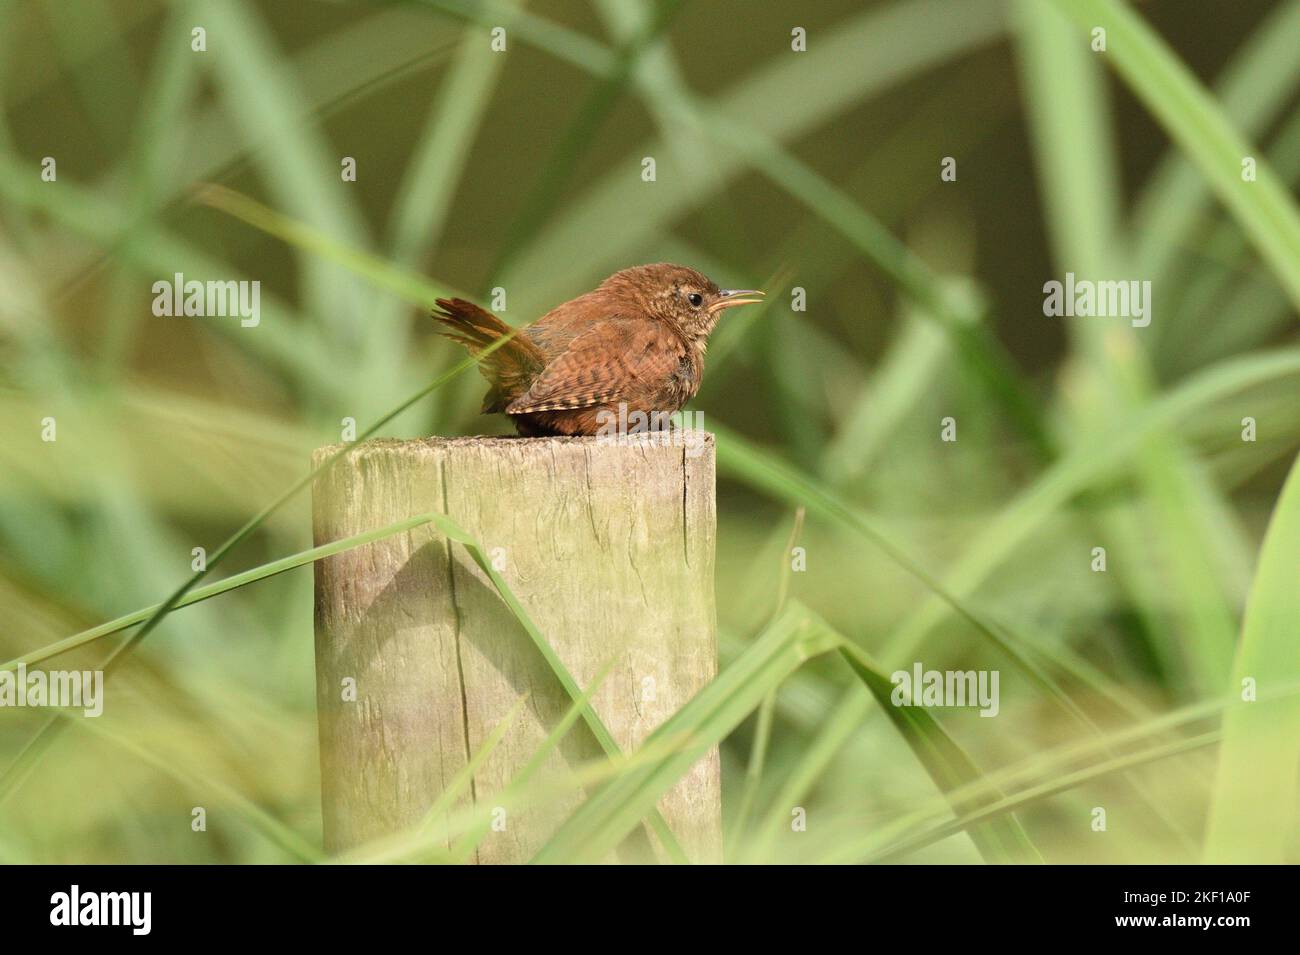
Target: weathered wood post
x=608, y=545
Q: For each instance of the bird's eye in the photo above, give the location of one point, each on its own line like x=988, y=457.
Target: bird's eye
x=696, y=299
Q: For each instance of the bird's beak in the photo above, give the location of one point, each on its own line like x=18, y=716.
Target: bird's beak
x=736, y=296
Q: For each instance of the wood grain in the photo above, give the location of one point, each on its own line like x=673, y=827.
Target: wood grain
x=609, y=547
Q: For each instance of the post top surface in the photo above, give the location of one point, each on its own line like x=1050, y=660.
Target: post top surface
x=693, y=440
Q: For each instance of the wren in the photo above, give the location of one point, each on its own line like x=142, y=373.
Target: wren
x=638, y=340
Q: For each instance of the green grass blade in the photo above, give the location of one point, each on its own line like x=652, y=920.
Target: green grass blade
x=198, y=594
x=464, y=777
x=603, y=736
x=753, y=774
x=427, y=192
x=1037, y=773
x=27, y=759
x=1070, y=116
x=276, y=831
x=263, y=97
x=1254, y=803
x=1061, y=483
x=865, y=55
x=771, y=475
x=464, y=849
x=382, y=274
x=428, y=187
x=154, y=251
x=1264, y=208
x=1226, y=281
x=1066, y=103
x=996, y=810
x=97, y=58
x=767, y=709
x=1003, y=840
x=841, y=723
x=548, y=188
x=1253, y=87
x=601, y=823
x=913, y=361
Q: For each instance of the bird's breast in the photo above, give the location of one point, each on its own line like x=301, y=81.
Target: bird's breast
x=684, y=381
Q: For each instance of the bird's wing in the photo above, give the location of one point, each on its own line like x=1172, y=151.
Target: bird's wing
x=603, y=364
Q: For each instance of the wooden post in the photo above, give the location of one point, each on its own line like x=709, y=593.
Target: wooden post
x=609, y=547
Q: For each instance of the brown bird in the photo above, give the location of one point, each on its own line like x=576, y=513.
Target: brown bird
x=637, y=340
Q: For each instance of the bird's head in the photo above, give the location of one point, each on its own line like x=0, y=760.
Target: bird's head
x=680, y=296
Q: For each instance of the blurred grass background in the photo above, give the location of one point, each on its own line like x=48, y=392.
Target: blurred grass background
x=817, y=170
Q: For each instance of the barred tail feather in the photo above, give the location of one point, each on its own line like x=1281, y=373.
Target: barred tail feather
x=510, y=369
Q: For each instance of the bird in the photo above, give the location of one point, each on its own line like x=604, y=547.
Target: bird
x=634, y=344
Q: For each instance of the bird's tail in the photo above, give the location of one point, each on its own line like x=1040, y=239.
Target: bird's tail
x=509, y=369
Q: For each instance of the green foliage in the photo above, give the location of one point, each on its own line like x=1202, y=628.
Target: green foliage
x=817, y=170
